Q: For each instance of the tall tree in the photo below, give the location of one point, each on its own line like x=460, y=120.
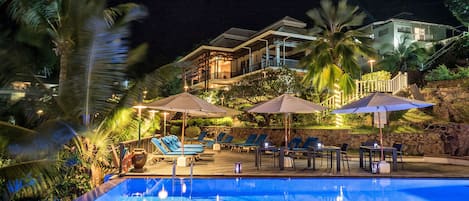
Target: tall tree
x=58, y=18
x=97, y=63
x=460, y=9
x=332, y=57
x=407, y=56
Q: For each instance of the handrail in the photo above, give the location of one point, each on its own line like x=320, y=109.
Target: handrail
x=364, y=87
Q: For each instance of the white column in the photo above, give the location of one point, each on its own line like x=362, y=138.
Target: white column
x=277, y=54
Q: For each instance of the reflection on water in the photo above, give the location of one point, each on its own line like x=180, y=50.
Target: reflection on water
x=273, y=189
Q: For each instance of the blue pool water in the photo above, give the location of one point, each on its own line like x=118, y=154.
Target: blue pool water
x=303, y=189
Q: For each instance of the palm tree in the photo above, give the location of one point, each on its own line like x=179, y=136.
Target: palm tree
x=59, y=17
x=97, y=63
x=332, y=57
x=404, y=57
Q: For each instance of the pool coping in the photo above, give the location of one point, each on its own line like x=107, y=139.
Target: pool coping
x=105, y=187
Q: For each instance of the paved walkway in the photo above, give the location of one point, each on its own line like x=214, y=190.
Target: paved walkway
x=222, y=164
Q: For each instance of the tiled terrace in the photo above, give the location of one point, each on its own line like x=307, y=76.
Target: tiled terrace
x=221, y=164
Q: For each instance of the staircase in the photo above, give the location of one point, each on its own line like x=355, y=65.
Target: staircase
x=363, y=88
x=449, y=44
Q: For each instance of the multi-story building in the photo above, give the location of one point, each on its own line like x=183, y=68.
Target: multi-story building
x=388, y=34
x=239, y=52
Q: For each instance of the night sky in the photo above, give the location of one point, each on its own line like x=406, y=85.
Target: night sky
x=175, y=27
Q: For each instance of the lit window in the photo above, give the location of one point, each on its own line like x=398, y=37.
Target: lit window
x=419, y=33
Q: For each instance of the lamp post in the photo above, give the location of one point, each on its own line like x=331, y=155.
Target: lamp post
x=371, y=61
x=139, y=108
x=153, y=112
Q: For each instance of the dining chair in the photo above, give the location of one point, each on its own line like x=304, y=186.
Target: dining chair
x=344, y=156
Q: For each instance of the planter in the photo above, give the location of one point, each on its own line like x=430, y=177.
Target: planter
x=139, y=159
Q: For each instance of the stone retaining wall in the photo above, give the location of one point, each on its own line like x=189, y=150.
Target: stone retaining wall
x=430, y=144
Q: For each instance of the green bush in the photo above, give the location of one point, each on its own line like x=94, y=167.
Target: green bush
x=443, y=73
x=175, y=130
x=463, y=72
x=378, y=75
x=192, y=131
x=440, y=73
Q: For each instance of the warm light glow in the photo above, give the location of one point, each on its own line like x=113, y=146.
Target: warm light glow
x=40, y=112
x=371, y=61
x=183, y=186
x=140, y=106
x=163, y=194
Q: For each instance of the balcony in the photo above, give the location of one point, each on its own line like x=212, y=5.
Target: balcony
x=225, y=78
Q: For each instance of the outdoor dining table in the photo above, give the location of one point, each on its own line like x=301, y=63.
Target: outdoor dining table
x=372, y=149
x=260, y=149
x=312, y=151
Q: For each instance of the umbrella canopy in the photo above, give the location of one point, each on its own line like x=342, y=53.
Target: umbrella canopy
x=380, y=102
x=286, y=104
x=187, y=104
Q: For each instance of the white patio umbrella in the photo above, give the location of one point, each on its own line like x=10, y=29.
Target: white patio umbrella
x=286, y=104
x=187, y=104
x=380, y=102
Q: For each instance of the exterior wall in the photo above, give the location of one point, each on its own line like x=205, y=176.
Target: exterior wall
x=384, y=38
x=429, y=144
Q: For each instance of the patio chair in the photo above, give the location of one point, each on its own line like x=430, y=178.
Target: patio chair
x=344, y=156
x=398, y=147
x=163, y=153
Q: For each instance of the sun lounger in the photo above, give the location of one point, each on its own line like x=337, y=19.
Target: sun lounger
x=227, y=141
x=218, y=139
x=172, y=144
x=310, y=141
x=259, y=141
x=251, y=138
x=163, y=153
x=200, y=138
x=294, y=143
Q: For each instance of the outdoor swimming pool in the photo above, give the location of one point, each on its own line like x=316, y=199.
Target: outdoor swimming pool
x=303, y=189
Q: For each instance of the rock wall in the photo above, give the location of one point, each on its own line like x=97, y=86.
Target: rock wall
x=451, y=99
x=455, y=137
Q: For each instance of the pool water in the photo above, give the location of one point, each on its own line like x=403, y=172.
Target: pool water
x=303, y=189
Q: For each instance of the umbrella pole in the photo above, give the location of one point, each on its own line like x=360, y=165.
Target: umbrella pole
x=286, y=130
x=380, y=136
x=182, y=134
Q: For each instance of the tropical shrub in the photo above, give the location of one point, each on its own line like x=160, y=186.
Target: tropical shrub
x=378, y=75
x=443, y=73
x=192, y=131
x=175, y=130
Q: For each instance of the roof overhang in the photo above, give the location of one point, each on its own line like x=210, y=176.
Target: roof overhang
x=247, y=43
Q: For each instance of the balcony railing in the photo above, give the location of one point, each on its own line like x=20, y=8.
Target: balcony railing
x=290, y=63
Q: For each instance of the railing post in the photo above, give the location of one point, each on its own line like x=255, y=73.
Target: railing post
x=121, y=156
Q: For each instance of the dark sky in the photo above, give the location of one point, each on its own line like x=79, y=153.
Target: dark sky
x=174, y=27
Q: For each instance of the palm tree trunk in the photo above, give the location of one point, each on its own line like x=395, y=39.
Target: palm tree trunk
x=63, y=49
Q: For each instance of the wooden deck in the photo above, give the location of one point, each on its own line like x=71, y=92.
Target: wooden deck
x=221, y=164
